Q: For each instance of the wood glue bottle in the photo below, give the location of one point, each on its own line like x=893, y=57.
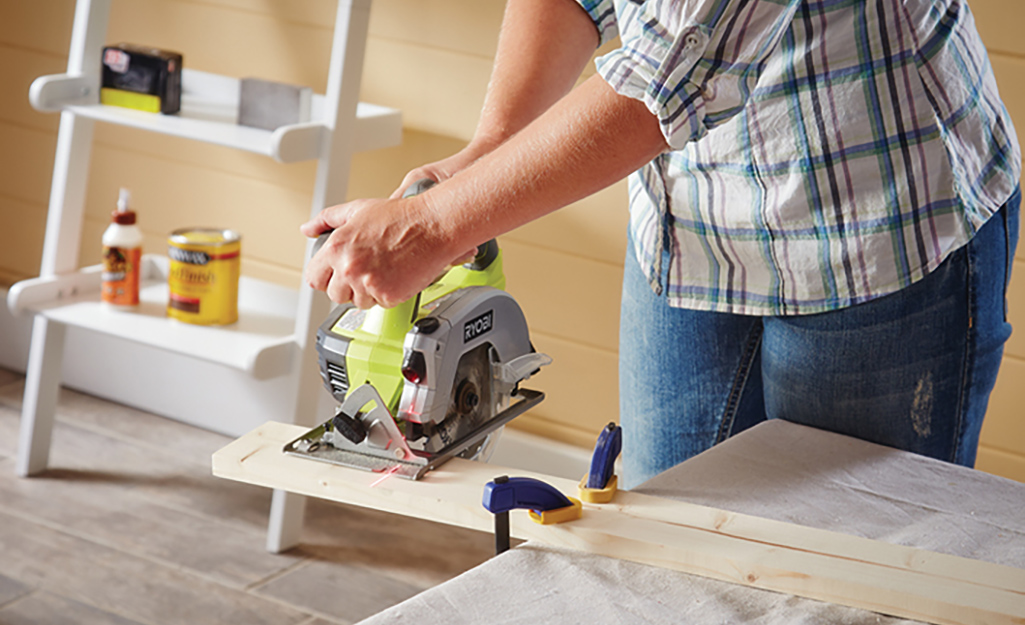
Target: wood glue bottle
x=122, y=253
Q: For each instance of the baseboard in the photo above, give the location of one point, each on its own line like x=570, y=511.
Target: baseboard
x=218, y=398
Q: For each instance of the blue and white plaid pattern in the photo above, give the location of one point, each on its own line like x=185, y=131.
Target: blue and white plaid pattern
x=825, y=152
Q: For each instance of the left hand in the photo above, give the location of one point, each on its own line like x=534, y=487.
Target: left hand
x=382, y=251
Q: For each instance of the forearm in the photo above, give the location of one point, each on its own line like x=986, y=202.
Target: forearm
x=588, y=140
x=544, y=159
x=542, y=48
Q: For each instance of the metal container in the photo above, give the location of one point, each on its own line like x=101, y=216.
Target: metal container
x=203, y=281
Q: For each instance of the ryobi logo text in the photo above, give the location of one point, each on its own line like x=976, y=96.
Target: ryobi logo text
x=478, y=325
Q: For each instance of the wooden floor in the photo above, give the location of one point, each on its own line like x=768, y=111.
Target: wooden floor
x=129, y=527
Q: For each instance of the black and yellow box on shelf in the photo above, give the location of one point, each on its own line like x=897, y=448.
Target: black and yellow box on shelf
x=142, y=78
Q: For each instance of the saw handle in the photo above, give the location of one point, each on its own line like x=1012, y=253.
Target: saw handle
x=396, y=321
x=416, y=188
x=487, y=252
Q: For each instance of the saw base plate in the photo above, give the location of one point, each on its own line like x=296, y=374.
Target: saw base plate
x=311, y=445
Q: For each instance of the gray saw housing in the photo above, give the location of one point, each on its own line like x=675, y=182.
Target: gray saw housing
x=474, y=318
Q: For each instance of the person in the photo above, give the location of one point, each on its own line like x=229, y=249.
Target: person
x=823, y=210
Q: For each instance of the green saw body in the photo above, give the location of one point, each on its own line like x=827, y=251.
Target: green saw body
x=374, y=353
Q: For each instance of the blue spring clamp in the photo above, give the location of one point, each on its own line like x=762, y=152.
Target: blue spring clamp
x=546, y=504
x=600, y=484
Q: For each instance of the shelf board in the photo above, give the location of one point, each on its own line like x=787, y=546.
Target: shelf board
x=209, y=112
x=261, y=342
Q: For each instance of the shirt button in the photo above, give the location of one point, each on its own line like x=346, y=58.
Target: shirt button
x=691, y=40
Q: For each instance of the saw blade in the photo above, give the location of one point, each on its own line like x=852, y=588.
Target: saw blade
x=471, y=402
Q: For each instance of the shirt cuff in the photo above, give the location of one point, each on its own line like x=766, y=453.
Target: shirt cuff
x=603, y=14
x=658, y=72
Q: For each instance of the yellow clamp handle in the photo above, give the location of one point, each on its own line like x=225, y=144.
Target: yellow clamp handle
x=598, y=495
x=558, y=515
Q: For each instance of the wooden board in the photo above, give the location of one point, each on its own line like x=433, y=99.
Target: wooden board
x=817, y=564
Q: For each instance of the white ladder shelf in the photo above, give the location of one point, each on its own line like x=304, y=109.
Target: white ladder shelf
x=277, y=326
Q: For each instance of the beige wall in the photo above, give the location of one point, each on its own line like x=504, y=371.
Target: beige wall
x=430, y=58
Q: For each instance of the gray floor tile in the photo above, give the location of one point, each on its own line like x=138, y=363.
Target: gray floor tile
x=134, y=587
x=344, y=591
x=118, y=517
x=45, y=608
x=9, y=377
x=9, y=422
x=418, y=552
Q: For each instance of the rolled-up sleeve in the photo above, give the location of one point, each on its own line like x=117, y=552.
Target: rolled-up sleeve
x=603, y=14
x=694, y=63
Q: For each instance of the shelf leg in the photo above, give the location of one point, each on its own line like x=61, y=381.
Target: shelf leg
x=42, y=386
x=60, y=247
x=342, y=98
x=286, y=520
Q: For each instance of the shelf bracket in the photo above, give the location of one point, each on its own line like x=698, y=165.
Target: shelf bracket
x=297, y=142
x=56, y=91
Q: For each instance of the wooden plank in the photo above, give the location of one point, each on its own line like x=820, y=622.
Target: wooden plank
x=1015, y=345
x=1004, y=428
x=999, y=462
x=438, y=91
x=997, y=31
x=593, y=228
x=817, y=564
x=469, y=28
x=581, y=393
x=43, y=25
x=1010, y=75
x=565, y=295
x=227, y=41
x=21, y=237
x=17, y=71
x=25, y=171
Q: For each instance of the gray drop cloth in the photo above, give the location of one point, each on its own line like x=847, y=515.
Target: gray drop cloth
x=776, y=470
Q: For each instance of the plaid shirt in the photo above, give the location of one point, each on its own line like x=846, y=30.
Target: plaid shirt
x=824, y=153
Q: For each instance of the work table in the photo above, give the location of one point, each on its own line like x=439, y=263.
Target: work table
x=780, y=507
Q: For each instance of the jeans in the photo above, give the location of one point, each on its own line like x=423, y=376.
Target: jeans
x=911, y=370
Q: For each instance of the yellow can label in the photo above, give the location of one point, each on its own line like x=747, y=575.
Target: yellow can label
x=203, y=281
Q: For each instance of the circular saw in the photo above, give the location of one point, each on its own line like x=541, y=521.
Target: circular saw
x=431, y=379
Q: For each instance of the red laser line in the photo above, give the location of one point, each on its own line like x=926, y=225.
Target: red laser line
x=386, y=475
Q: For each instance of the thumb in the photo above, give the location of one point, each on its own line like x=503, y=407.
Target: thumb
x=331, y=218
x=315, y=226
x=466, y=257
x=414, y=176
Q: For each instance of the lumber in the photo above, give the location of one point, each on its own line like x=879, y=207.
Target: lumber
x=891, y=579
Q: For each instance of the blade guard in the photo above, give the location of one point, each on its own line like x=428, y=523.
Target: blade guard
x=478, y=315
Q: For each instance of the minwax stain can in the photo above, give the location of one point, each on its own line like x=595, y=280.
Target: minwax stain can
x=203, y=281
